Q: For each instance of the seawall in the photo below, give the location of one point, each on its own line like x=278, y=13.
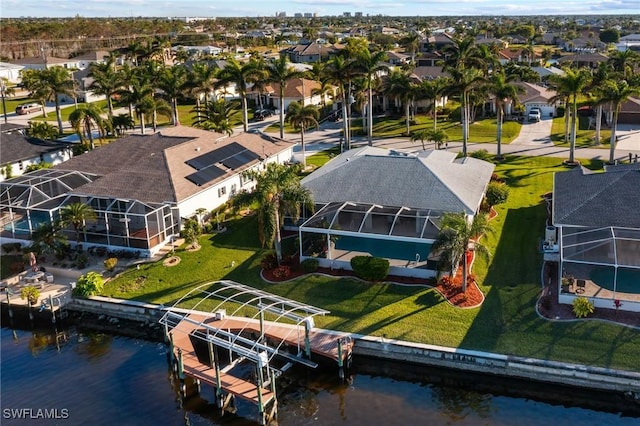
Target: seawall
x=140, y=319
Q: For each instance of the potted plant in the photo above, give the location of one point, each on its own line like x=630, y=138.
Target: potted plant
x=31, y=294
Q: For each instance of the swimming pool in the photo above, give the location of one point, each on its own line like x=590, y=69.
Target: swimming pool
x=628, y=279
x=385, y=248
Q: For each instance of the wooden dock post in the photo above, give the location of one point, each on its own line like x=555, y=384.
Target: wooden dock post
x=340, y=360
x=53, y=312
x=216, y=364
x=9, y=304
x=180, y=365
x=172, y=358
x=307, y=343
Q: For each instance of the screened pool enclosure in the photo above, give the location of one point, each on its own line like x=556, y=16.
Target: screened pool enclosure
x=339, y=231
x=604, y=262
x=34, y=199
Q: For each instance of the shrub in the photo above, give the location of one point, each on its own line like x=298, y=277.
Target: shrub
x=309, y=265
x=582, y=307
x=282, y=271
x=269, y=262
x=370, y=268
x=482, y=154
x=497, y=193
x=31, y=293
x=110, y=263
x=89, y=285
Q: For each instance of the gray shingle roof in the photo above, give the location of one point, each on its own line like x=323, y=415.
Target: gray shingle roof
x=431, y=180
x=16, y=145
x=584, y=198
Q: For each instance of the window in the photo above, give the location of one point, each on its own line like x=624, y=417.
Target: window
x=221, y=191
x=233, y=190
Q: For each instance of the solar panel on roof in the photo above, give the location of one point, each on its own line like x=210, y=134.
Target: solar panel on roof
x=216, y=156
x=240, y=160
x=206, y=175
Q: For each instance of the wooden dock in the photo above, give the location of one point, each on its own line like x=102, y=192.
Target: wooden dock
x=194, y=368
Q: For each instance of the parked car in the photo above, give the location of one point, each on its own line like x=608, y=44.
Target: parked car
x=27, y=109
x=534, y=114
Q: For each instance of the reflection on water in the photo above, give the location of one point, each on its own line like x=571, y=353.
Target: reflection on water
x=106, y=380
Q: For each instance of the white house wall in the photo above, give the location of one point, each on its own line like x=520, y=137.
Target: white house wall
x=18, y=168
x=210, y=199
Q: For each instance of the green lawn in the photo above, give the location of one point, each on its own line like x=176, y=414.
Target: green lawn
x=480, y=131
x=506, y=323
x=584, y=137
x=13, y=102
x=66, y=110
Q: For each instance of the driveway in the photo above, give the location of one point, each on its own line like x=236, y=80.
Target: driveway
x=628, y=137
x=535, y=133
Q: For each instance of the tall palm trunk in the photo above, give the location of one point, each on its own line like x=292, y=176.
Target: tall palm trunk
x=465, y=119
x=174, y=107
x=278, y=240
x=370, y=116
x=435, y=114
x=58, y=114
x=572, y=145
x=87, y=127
x=142, y=129
x=614, y=128
x=464, y=271
x=567, y=113
x=304, y=157
x=245, y=115
x=281, y=112
x=598, y=124
x=345, y=117
x=407, y=118
x=500, y=118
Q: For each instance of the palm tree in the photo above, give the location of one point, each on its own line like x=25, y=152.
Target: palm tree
x=504, y=92
x=280, y=71
x=433, y=90
x=121, y=123
x=216, y=115
x=600, y=76
x=420, y=135
x=85, y=119
x=411, y=43
x=201, y=81
x=77, y=215
x=154, y=106
x=572, y=84
x=137, y=95
x=616, y=92
x=278, y=193
x=106, y=81
x=369, y=64
x=453, y=242
x=48, y=84
x=302, y=117
x=172, y=81
x=397, y=85
x=48, y=238
x=340, y=71
x=464, y=81
x=624, y=62
x=242, y=75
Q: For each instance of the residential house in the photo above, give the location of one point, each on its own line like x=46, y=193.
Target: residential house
x=312, y=52
x=40, y=63
x=296, y=90
x=86, y=59
x=598, y=235
x=397, y=58
x=10, y=72
x=630, y=112
x=141, y=186
x=397, y=218
x=18, y=151
x=590, y=60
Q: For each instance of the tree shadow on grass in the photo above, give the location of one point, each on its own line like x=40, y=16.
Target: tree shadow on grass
x=513, y=277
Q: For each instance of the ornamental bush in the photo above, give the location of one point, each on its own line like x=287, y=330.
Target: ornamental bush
x=582, y=307
x=309, y=265
x=269, y=262
x=370, y=268
x=497, y=193
x=110, y=263
x=90, y=284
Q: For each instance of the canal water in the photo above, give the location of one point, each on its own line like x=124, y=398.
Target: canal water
x=98, y=379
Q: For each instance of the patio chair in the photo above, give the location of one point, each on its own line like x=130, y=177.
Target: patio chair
x=581, y=284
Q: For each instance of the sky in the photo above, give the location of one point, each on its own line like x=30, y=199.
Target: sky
x=254, y=8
